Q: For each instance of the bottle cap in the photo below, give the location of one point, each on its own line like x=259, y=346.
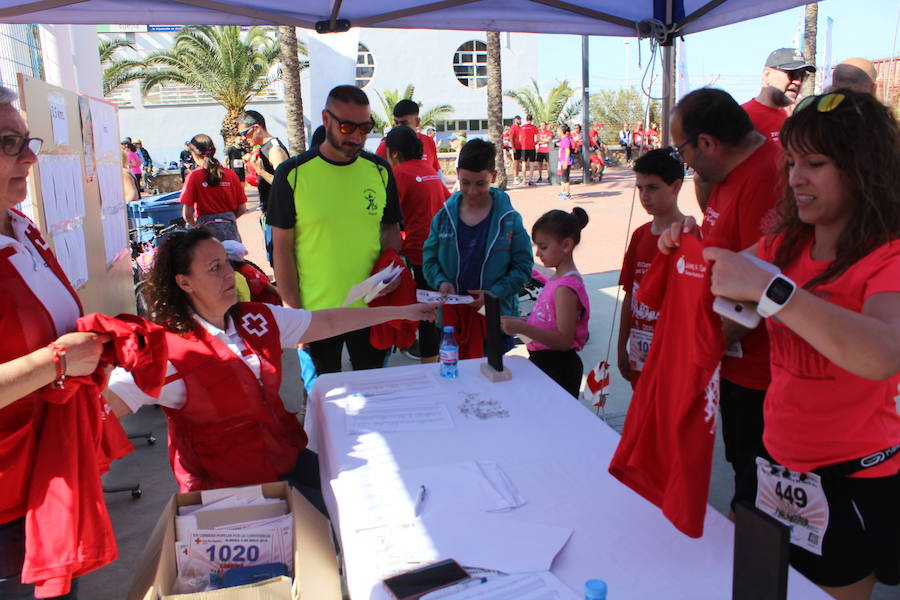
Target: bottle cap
x=448, y=328
x=595, y=589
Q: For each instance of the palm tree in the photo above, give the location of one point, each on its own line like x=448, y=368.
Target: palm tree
x=293, y=102
x=495, y=103
x=117, y=72
x=810, y=31
x=549, y=109
x=389, y=98
x=218, y=61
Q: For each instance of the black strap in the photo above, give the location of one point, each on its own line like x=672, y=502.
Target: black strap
x=850, y=467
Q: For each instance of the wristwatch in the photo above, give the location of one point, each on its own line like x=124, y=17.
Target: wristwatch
x=779, y=290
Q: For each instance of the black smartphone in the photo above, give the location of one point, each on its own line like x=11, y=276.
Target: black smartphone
x=413, y=584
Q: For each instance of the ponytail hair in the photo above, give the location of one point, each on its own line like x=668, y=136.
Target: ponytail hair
x=561, y=224
x=203, y=146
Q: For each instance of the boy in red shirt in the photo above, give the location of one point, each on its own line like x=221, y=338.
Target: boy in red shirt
x=542, y=156
x=658, y=177
x=406, y=113
x=516, y=147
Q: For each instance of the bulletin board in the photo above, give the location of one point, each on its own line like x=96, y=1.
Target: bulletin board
x=77, y=192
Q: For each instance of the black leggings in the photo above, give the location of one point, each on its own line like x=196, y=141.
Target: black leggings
x=562, y=366
x=429, y=334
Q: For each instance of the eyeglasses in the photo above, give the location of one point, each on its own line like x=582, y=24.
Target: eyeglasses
x=676, y=152
x=824, y=103
x=348, y=127
x=246, y=131
x=14, y=145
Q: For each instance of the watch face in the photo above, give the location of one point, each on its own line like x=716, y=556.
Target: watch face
x=779, y=290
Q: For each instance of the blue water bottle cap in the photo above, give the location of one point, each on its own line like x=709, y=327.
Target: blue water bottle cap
x=448, y=328
x=595, y=589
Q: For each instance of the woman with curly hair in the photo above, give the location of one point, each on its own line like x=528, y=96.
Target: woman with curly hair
x=212, y=195
x=227, y=423
x=830, y=466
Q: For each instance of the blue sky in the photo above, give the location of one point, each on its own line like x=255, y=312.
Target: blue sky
x=732, y=55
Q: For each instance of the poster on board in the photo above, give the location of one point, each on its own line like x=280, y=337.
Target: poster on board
x=87, y=138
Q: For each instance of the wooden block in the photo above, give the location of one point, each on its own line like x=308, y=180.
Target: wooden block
x=493, y=374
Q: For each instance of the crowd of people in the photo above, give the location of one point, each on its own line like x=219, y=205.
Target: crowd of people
x=807, y=397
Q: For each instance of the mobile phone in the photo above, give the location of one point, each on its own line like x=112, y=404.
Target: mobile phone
x=414, y=584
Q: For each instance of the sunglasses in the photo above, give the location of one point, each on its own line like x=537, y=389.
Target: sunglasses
x=14, y=145
x=824, y=103
x=247, y=131
x=795, y=74
x=348, y=127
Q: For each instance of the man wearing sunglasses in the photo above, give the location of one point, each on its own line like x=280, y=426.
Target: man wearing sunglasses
x=332, y=210
x=714, y=135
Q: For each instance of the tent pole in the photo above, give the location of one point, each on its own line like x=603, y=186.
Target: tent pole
x=668, y=90
x=585, y=112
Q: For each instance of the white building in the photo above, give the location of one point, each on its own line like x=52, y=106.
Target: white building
x=446, y=67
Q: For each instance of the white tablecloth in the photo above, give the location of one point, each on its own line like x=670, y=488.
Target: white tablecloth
x=557, y=453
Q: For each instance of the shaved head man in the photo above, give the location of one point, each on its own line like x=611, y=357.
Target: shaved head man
x=855, y=74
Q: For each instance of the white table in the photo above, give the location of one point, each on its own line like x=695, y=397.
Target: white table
x=557, y=453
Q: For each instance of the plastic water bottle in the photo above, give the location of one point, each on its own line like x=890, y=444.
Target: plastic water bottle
x=449, y=354
x=594, y=589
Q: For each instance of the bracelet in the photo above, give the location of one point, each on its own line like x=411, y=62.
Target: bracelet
x=59, y=360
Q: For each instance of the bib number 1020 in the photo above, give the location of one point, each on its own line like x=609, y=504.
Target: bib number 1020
x=237, y=553
x=793, y=495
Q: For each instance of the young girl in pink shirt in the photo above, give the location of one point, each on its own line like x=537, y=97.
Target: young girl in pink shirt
x=558, y=325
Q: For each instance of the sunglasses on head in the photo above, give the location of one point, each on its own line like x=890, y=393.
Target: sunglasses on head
x=824, y=103
x=14, y=145
x=348, y=127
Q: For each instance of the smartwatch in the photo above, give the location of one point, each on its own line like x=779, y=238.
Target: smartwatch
x=777, y=293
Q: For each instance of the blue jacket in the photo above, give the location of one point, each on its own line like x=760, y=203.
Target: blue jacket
x=508, y=259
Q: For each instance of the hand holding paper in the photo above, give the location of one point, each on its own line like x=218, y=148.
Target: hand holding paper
x=370, y=288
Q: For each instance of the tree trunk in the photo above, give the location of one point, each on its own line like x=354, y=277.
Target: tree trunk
x=810, y=30
x=293, y=102
x=230, y=125
x=495, y=103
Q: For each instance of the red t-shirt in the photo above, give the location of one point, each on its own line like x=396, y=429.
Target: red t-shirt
x=642, y=249
x=593, y=134
x=429, y=151
x=740, y=209
x=816, y=413
x=767, y=121
x=422, y=194
x=506, y=143
x=514, y=136
x=212, y=199
x=527, y=136
x=665, y=454
x=544, y=137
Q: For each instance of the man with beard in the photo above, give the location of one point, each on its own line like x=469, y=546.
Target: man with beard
x=332, y=210
x=782, y=77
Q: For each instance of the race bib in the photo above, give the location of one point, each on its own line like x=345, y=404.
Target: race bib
x=795, y=499
x=638, y=347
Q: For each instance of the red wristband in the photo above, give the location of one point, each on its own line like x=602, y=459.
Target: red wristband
x=59, y=360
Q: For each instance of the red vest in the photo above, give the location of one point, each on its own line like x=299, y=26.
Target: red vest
x=25, y=326
x=233, y=429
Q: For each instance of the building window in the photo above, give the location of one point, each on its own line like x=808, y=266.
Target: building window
x=365, y=66
x=470, y=64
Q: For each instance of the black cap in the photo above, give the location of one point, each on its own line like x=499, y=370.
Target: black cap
x=125, y=140
x=788, y=59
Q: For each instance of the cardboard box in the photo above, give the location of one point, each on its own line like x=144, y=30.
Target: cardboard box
x=315, y=562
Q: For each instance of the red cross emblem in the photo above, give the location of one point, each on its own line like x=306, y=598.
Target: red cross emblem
x=255, y=323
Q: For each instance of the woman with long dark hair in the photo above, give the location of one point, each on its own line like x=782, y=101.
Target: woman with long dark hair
x=830, y=466
x=213, y=195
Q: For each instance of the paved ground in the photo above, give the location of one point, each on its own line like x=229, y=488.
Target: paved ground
x=613, y=213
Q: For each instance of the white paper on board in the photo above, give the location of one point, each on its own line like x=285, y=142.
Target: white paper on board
x=59, y=120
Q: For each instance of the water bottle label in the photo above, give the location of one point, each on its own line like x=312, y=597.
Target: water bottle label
x=449, y=355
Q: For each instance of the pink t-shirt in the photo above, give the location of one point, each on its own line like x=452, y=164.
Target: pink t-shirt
x=544, y=313
x=565, y=142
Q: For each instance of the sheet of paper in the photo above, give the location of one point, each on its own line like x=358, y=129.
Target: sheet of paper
x=431, y=297
x=59, y=120
x=106, y=129
x=528, y=586
x=214, y=551
x=243, y=494
x=115, y=234
x=520, y=546
x=412, y=384
x=385, y=417
x=370, y=287
x=109, y=176
x=62, y=190
x=71, y=253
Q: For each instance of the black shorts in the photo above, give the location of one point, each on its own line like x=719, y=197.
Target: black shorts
x=517, y=154
x=863, y=534
x=429, y=333
x=542, y=157
x=742, y=425
x=528, y=155
x=562, y=366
